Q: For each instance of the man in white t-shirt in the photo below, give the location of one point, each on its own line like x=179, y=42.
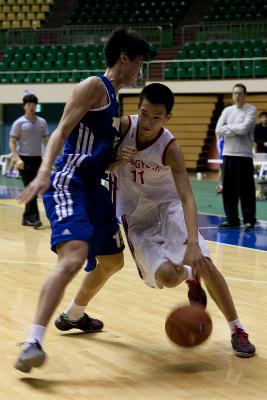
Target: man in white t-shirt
x=236, y=124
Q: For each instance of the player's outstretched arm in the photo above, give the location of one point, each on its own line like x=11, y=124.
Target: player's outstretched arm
x=85, y=96
x=175, y=159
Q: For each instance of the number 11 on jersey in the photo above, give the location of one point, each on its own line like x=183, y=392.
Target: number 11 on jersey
x=138, y=176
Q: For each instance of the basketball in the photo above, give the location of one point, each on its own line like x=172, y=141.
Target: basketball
x=188, y=326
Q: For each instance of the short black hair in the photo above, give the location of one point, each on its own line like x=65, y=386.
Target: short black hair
x=30, y=98
x=263, y=114
x=123, y=41
x=240, y=85
x=157, y=93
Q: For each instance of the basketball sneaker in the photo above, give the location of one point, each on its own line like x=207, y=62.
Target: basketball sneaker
x=241, y=344
x=32, y=356
x=85, y=324
x=196, y=294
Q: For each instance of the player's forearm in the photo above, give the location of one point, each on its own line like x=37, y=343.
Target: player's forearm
x=190, y=216
x=13, y=149
x=113, y=165
x=52, y=150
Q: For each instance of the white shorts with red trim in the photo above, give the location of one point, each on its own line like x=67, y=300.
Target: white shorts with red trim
x=158, y=236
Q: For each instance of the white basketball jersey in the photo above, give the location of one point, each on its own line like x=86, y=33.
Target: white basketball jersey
x=144, y=182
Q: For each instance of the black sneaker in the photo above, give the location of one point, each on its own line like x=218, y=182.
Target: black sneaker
x=85, y=324
x=26, y=222
x=196, y=294
x=249, y=227
x=241, y=344
x=32, y=356
x=227, y=225
x=37, y=224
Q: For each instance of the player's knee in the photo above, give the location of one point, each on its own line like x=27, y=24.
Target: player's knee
x=72, y=265
x=111, y=264
x=167, y=275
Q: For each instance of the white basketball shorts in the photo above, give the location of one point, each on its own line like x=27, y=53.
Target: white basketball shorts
x=157, y=236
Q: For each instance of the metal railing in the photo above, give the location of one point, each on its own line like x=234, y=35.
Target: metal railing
x=73, y=76
x=208, y=62
x=194, y=64
x=233, y=30
x=76, y=35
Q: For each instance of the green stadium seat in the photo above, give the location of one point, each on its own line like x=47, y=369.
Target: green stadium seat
x=202, y=71
x=260, y=68
x=50, y=78
x=204, y=53
x=18, y=78
x=216, y=72
x=246, y=69
x=247, y=52
x=25, y=66
x=63, y=77
x=170, y=73
x=6, y=78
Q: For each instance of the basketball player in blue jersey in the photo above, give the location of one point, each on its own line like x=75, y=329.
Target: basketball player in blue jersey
x=158, y=211
x=84, y=226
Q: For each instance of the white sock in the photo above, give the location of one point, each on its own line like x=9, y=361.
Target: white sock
x=188, y=271
x=74, y=312
x=234, y=324
x=36, y=333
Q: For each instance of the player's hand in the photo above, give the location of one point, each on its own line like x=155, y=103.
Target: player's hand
x=38, y=186
x=19, y=164
x=127, y=154
x=265, y=144
x=195, y=259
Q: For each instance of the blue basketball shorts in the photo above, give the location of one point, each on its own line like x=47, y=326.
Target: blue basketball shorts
x=84, y=215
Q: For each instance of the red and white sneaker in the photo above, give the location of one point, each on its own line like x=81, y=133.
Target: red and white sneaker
x=196, y=294
x=241, y=344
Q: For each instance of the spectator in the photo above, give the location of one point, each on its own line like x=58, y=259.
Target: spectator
x=26, y=137
x=260, y=134
x=237, y=124
x=219, y=187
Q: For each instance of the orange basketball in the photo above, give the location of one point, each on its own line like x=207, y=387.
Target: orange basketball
x=188, y=325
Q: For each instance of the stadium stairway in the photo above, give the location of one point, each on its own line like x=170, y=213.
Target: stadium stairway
x=61, y=11
x=193, y=16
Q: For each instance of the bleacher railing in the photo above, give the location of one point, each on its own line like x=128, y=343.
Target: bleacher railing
x=208, y=62
x=222, y=63
x=77, y=35
x=227, y=30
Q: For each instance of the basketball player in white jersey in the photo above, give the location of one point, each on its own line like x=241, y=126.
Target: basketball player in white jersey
x=158, y=210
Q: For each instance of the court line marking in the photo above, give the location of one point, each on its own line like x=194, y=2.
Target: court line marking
x=126, y=269
x=236, y=245
x=223, y=216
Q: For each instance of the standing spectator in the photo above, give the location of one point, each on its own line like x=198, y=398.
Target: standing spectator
x=219, y=187
x=26, y=137
x=237, y=124
x=260, y=134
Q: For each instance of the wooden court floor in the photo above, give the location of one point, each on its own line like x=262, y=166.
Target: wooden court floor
x=132, y=358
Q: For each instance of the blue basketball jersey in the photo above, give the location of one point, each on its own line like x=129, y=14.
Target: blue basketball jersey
x=88, y=148
x=77, y=205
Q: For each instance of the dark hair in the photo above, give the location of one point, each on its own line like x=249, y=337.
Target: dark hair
x=157, y=93
x=123, y=41
x=263, y=114
x=240, y=85
x=30, y=98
